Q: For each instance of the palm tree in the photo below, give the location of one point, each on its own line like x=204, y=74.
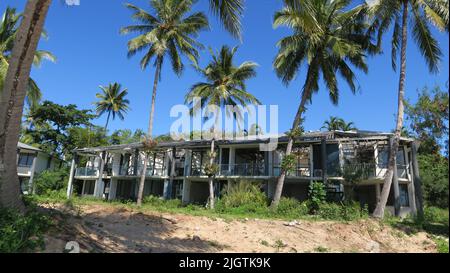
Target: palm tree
x=225, y=85
x=13, y=96
x=327, y=38
x=230, y=13
x=170, y=32
x=112, y=101
x=335, y=124
x=395, y=14
x=8, y=29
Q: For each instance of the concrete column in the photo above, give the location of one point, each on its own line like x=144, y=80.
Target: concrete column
x=271, y=188
x=187, y=162
x=32, y=171
x=232, y=160
x=169, y=182
x=323, y=149
x=186, y=198
x=71, y=177
x=311, y=161
x=395, y=183
x=99, y=184
x=270, y=162
x=417, y=181
x=112, y=189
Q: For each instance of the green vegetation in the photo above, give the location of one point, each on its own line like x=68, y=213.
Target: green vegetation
x=51, y=182
x=22, y=232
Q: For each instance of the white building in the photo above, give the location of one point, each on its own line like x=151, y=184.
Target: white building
x=32, y=161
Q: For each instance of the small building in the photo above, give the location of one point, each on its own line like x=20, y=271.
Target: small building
x=32, y=161
x=177, y=169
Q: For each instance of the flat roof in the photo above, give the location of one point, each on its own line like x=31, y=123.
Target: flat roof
x=307, y=137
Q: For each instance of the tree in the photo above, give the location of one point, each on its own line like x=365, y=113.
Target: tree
x=327, y=38
x=169, y=32
x=112, y=101
x=335, y=124
x=13, y=96
x=126, y=136
x=421, y=13
x=8, y=31
x=225, y=85
x=52, y=125
x=230, y=13
x=428, y=120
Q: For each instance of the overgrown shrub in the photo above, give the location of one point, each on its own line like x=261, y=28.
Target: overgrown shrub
x=292, y=207
x=340, y=211
x=21, y=233
x=317, y=195
x=245, y=196
x=156, y=201
x=49, y=181
x=435, y=215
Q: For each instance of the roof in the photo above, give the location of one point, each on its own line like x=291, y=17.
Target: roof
x=27, y=147
x=307, y=137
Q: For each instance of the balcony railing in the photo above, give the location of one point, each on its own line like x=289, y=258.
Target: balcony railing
x=86, y=172
x=300, y=171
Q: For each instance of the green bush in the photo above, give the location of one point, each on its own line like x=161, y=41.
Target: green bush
x=292, y=207
x=435, y=215
x=346, y=212
x=317, y=195
x=158, y=202
x=243, y=197
x=21, y=233
x=49, y=181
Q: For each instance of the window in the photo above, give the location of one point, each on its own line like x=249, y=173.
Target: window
x=404, y=197
x=26, y=160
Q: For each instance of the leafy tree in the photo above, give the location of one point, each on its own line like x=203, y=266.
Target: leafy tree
x=428, y=120
x=327, y=38
x=53, y=123
x=225, y=85
x=89, y=136
x=434, y=177
x=396, y=14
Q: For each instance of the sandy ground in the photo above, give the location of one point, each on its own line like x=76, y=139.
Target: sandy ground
x=98, y=228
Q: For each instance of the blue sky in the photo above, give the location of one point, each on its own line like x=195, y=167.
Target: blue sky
x=91, y=52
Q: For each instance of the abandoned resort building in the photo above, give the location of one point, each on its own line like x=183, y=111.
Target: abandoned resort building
x=32, y=161
x=177, y=169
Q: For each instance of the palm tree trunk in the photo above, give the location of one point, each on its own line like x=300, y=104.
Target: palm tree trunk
x=13, y=96
x=211, y=178
x=107, y=121
x=381, y=206
x=150, y=131
x=297, y=122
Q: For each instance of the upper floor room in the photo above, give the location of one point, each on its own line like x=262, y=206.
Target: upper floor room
x=317, y=155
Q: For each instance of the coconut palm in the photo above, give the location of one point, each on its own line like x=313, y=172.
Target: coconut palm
x=394, y=14
x=335, y=124
x=13, y=96
x=224, y=85
x=8, y=29
x=112, y=101
x=328, y=38
x=167, y=31
x=229, y=13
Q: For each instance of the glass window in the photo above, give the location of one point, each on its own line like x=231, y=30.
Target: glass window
x=404, y=197
x=26, y=160
x=333, y=166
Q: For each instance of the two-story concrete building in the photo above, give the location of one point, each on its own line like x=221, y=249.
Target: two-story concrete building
x=32, y=161
x=177, y=169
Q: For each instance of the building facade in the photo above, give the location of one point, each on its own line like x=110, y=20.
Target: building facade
x=32, y=161
x=177, y=169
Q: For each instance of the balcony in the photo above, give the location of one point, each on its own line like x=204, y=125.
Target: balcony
x=300, y=171
x=87, y=172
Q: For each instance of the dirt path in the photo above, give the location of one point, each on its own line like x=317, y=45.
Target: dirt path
x=98, y=228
